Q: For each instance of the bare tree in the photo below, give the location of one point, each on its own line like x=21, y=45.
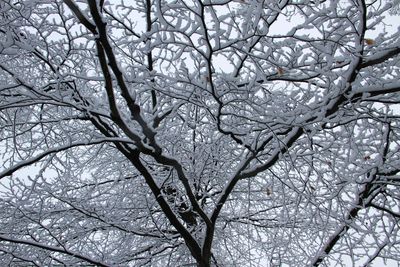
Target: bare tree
x=199, y=133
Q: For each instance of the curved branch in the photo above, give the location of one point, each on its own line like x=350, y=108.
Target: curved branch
x=37, y=158
x=54, y=249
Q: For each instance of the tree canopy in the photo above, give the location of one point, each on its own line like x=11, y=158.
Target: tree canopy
x=199, y=133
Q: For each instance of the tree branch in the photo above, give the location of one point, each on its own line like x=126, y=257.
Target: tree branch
x=54, y=249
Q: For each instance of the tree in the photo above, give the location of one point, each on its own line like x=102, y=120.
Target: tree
x=199, y=133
